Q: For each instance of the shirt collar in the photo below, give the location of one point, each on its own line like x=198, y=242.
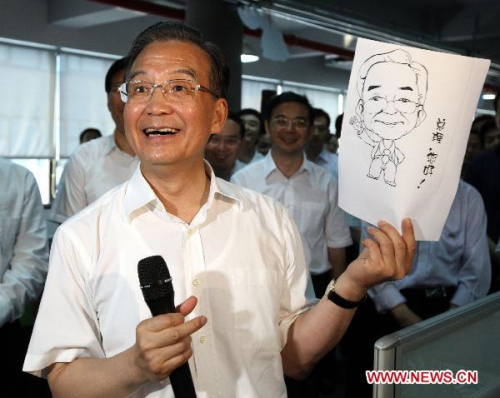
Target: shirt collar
x=110, y=144
x=270, y=165
x=139, y=193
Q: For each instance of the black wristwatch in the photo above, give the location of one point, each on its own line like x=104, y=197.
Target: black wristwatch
x=333, y=296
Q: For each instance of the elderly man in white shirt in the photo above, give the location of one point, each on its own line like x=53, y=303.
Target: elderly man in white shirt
x=101, y=164
x=251, y=319
x=24, y=258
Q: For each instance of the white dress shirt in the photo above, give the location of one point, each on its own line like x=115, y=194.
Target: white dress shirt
x=24, y=251
x=241, y=256
x=459, y=259
x=310, y=196
x=94, y=168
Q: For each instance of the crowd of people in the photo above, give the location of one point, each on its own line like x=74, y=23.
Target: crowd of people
x=279, y=291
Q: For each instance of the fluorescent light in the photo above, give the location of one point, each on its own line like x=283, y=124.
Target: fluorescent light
x=488, y=96
x=247, y=58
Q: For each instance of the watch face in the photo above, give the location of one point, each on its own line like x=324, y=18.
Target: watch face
x=330, y=286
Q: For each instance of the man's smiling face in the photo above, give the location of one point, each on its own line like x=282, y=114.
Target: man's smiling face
x=390, y=107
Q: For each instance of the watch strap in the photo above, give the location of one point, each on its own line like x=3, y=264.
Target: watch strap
x=334, y=297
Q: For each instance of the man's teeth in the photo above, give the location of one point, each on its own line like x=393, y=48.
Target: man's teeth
x=158, y=132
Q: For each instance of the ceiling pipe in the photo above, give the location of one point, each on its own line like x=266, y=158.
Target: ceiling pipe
x=164, y=11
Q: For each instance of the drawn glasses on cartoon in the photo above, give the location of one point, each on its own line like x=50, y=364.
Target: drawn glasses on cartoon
x=283, y=122
x=377, y=104
x=139, y=91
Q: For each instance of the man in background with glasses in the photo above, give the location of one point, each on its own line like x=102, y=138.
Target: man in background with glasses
x=222, y=149
x=235, y=256
x=101, y=164
x=389, y=109
x=309, y=193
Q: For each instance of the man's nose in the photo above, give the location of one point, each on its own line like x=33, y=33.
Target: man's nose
x=390, y=108
x=157, y=103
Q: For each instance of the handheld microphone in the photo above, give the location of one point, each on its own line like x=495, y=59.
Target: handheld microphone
x=158, y=292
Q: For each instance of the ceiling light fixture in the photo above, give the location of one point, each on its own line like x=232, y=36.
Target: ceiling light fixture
x=249, y=54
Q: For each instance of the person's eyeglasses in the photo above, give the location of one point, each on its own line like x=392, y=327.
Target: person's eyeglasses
x=376, y=104
x=230, y=142
x=283, y=122
x=177, y=90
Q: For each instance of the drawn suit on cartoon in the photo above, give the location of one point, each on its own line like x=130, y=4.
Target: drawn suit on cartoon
x=392, y=90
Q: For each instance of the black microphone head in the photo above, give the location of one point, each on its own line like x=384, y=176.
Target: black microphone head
x=154, y=278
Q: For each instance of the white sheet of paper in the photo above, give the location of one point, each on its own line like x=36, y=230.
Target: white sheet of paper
x=403, y=145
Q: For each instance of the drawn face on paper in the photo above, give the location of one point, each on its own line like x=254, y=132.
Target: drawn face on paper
x=390, y=104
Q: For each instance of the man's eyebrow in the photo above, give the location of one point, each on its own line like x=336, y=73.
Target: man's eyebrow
x=407, y=88
x=372, y=88
x=184, y=71
x=135, y=74
x=187, y=71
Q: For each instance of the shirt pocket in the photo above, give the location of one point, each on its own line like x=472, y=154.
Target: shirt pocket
x=312, y=217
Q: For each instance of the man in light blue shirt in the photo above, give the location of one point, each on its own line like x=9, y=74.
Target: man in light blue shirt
x=24, y=258
x=453, y=271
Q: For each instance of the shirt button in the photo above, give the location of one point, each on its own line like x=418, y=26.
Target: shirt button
x=203, y=339
x=196, y=282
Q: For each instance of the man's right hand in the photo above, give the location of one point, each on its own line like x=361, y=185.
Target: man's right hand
x=163, y=343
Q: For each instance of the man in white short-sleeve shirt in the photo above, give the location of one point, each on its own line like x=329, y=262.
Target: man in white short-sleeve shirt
x=308, y=191
x=241, y=322
x=99, y=165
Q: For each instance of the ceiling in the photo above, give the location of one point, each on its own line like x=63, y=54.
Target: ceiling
x=466, y=27
x=328, y=28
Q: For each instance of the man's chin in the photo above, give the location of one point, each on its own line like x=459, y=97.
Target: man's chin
x=389, y=133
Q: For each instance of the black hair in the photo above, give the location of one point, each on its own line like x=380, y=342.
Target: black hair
x=485, y=128
x=338, y=125
x=479, y=121
x=117, y=66
x=318, y=112
x=236, y=118
x=249, y=111
x=287, y=96
x=90, y=130
x=167, y=31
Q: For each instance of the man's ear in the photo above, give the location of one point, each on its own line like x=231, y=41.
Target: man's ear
x=360, y=108
x=220, y=115
x=266, y=127
x=421, y=115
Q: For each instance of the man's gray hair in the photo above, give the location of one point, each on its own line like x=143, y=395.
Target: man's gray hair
x=397, y=56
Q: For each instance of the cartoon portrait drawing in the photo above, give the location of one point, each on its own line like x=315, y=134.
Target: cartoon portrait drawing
x=392, y=90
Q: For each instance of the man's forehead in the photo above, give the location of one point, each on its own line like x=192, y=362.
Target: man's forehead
x=291, y=109
x=390, y=75
x=230, y=128
x=181, y=57
x=250, y=117
x=320, y=121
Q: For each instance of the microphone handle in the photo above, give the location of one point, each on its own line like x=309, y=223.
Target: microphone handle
x=180, y=378
x=182, y=382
